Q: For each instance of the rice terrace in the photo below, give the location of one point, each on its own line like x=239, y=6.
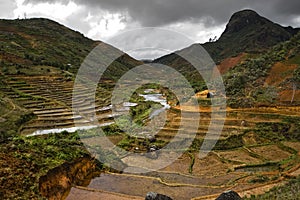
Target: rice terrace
x=49, y=150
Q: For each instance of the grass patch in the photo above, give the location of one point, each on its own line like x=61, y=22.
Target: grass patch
x=232, y=142
x=289, y=191
x=192, y=157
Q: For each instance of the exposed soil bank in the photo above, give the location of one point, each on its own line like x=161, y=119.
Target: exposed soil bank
x=57, y=183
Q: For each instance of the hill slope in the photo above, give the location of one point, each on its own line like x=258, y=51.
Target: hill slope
x=246, y=34
x=39, y=59
x=270, y=78
x=247, y=31
x=42, y=42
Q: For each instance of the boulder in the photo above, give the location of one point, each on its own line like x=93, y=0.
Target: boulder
x=155, y=196
x=229, y=195
x=151, y=138
x=152, y=152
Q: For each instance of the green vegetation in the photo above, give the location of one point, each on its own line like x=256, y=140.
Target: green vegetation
x=112, y=129
x=232, y=142
x=29, y=158
x=289, y=191
x=12, y=117
x=55, y=148
x=244, y=82
x=140, y=113
x=26, y=48
x=254, y=38
x=256, y=167
x=128, y=143
x=196, y=144
x=260, y=179
x=192, y=157
x=275, y=132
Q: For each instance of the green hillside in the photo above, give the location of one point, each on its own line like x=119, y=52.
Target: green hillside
x=247, y=33
x=39, y=59
x=33, y=50
x=30, y=43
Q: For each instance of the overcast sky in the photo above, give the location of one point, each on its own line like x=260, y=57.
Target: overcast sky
x=105, y=20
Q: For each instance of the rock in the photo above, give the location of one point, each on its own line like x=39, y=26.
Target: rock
x=155, y=196
x=210, y=95
x=151, y=138
x=152, y=152
x=243, y=123
x=153, y=148
x=229, y=195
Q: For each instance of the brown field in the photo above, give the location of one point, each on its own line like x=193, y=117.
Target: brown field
x=239, y=169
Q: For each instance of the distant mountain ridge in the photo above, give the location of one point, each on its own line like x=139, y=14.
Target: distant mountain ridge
x=246, y=32
x=250, y=45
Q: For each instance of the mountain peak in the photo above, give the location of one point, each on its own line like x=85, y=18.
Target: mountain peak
x=244, y=18
x=247, y=31
x=245, y=13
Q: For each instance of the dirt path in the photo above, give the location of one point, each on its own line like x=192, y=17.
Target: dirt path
x=13, y=105
x=11, y=110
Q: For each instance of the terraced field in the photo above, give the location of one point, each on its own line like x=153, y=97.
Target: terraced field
x=258, y=148
x=244, y=159
x=50, y=99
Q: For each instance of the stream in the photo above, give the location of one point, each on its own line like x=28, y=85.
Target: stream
x=158, y=98
x=148, y=96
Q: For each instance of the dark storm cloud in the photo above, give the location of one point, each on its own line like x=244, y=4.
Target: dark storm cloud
x=6, y=9
x=287, y=7
x=211, y=12
x=280, y=11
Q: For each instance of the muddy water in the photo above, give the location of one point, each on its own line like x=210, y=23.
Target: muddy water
x=178, y=184
x=158, y=98
x=135, y=185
